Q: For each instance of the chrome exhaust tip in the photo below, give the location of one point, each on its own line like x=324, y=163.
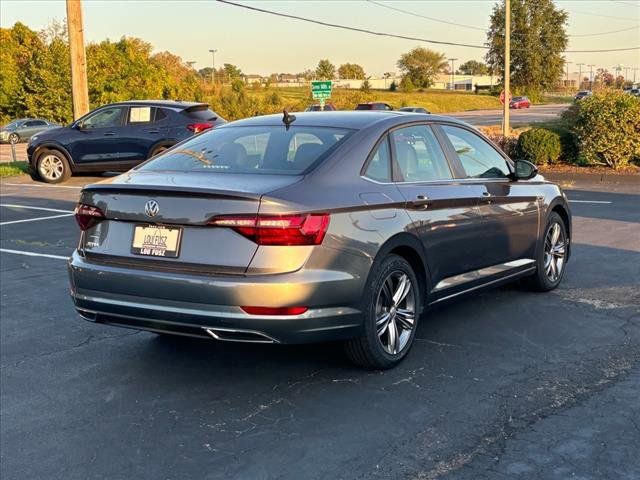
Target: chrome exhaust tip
x=235, y=335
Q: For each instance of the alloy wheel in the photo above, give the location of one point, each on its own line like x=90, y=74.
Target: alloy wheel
x=555, y=247
x=51, y=167
x=395, y=312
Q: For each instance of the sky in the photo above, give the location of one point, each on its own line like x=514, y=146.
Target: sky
x=262, y=44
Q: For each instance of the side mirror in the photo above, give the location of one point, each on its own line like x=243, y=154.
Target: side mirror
x=524, y=170
x=76, y=125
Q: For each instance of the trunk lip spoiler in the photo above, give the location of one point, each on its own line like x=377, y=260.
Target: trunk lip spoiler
x=173, y=190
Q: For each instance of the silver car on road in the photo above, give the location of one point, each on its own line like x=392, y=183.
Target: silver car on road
x=328, y=226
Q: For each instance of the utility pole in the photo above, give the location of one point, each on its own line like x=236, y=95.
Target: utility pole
x=634, y=74
x=213, y=65
x=79, y=90
x=507, y=67
x=567, y=64
x=590, y=76
x=579, y=75
x=453, y=78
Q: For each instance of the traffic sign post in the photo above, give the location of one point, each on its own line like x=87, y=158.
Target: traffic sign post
x=502, y=95
x=321, y=90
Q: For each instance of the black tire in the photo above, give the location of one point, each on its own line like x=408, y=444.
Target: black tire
x=14, y=138
x=52, y=167
x=159, y=150
x=544, y=280
x=367, y=350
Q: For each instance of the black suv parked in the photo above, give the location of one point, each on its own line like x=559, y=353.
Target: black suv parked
x=116, y=137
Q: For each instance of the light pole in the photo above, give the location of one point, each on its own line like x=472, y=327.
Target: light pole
x=453, y=78
x=567, y=64
x=507, y=68
x=213, y=65
x=579, y=75
x=590, y=76
x=634, y=74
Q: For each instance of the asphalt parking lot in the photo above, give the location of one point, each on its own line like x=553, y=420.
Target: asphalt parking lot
x=504, y=384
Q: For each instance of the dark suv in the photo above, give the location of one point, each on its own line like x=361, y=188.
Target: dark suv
x=374, y=106
x=116, y=137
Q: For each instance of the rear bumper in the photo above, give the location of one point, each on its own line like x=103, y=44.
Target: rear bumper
x=209, y=306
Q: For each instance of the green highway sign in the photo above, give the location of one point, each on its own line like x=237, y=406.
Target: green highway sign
x=321, y=90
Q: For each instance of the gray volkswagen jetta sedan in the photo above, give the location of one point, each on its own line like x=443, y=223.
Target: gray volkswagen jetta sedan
x=315, y=227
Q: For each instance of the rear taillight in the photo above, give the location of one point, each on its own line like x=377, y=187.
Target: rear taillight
x=306, y=229
x=275, y=310
x=87, y=216
x=199, y=127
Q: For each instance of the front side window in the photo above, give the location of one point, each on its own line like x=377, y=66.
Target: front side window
x=379, y=167
x=106, y=118
x=479, y=159
x=418, y=155
x=251, y=149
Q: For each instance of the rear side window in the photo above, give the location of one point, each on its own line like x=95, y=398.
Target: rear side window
x=141, y=114
x=363, y=106
x=479, y=159
x=160, y=115
x=418, y=154
x=379, y=167
x=269, y=150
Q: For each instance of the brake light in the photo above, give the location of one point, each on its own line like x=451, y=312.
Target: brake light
x=199, y=127
x=305, y=229
x=87, y=216
x=275, y=310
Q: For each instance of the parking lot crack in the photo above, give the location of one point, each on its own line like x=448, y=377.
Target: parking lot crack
x=91, y=339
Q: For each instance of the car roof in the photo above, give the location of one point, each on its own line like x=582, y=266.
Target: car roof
x=351, y=119
x=162, y=103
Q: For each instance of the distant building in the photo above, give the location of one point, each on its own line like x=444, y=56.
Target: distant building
x=252, y=79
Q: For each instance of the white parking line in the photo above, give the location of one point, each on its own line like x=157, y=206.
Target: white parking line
x=40, y=185
x=590, y=201
x=33, y=254
x=28, y=207
x=36, y=219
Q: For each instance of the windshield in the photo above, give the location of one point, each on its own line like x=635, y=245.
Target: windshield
x=11, y=125
x=269, y=150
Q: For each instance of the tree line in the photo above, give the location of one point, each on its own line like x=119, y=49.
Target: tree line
x=35, y=78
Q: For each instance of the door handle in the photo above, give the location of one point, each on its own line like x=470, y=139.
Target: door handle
x=109, y=134
x=486, y=194
x=422, y=197
x=153, y=131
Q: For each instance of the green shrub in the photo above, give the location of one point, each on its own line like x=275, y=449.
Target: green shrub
x=607, y=128
x=540, y=146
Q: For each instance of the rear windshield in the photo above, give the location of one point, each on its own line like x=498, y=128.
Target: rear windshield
x=364, y=106
x=201, y=113
x=269, y=150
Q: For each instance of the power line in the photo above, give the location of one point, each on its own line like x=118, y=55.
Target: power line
x=393, y=35
x=428, y=18
x=346, y=27
x=414, y=14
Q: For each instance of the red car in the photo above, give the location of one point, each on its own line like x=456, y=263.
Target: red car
x=519, y=102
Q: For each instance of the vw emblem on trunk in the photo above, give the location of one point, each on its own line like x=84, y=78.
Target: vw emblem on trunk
x=151, y=208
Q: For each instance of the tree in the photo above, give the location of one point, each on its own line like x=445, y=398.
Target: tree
x=420, y=67
x=351, y=71
x=538, y=38
x=366, y=86
x=473, y=67
x=231, y=71
x=325, y=70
